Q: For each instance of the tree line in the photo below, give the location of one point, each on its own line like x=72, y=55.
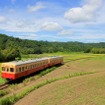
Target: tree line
x=12, y=48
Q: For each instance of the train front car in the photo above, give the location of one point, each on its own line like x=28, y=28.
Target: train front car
x=17, y=69
x=8, y=71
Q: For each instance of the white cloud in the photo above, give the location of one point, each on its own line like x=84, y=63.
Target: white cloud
x=90, y=36
x=65, y=32
x=2, y=19
x=19, y=26
x=27, y=25
x=51, y=26
x=85, y=13
x=36, y=7
x=28, y=36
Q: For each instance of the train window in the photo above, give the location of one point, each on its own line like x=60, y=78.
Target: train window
x=30, y=66
x=11, y=69
x=19, y=69
x=3, y=68
x=22, y=68
x=27, y=67
x=36, y=65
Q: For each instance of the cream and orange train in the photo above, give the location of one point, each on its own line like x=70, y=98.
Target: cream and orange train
x=17, y=69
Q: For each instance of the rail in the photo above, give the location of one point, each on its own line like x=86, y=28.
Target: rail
x=3, y=86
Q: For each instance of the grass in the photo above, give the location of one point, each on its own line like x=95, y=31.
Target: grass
x=2, y=80
x=27, y=81
x=10, y=100
x=3, y=92
x=84, y=90
x=94, y=64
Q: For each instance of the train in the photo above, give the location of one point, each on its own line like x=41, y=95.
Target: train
x=16, y=69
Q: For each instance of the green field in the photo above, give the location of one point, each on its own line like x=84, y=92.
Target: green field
x=81, y=90
x=78, y=82
x=86, y=89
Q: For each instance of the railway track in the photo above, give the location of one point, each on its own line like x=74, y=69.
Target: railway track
x=3, y=86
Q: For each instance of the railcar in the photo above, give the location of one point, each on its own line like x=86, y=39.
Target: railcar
x=17, y=69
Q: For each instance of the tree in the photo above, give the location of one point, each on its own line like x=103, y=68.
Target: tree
x=1, y=56
x=10, y=55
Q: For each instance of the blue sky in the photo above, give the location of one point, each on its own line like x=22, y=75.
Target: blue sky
x=54, y=20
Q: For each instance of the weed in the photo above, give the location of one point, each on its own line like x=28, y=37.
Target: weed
x=3, y=92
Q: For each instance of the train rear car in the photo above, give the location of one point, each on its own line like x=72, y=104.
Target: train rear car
x=55, y=60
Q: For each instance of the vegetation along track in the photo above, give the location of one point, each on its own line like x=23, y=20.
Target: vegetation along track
x=5, y=85
x=78, y=59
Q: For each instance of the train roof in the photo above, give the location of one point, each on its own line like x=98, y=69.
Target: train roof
x=22, y=62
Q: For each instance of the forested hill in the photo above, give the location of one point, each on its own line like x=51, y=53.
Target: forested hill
x=24, y=46
x=33, y=46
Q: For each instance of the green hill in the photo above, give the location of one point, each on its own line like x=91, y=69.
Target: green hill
x=11, y=47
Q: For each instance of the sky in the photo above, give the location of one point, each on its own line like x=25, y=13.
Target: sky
x=54, y=20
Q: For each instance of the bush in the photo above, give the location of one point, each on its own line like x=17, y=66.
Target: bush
x=3, y=92
x=98, y=50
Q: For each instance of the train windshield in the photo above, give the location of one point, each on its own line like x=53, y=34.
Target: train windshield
x=3, y=68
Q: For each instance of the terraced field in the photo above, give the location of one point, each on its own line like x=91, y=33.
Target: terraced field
x=80, y=82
